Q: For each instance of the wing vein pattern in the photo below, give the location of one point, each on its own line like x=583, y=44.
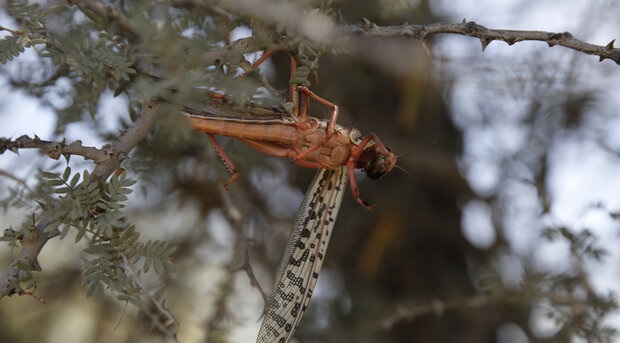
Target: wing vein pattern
x=303, y=258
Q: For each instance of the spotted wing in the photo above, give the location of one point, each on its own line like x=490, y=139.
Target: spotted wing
x=303, y=258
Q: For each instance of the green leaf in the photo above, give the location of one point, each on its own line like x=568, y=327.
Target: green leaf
x=66, y=174
x=169, y=251
x=125, y=191
x=147, y=264
x=92, y=187
x=54, y=182
x=64, y=231
x=169, y=266
x=157, y=266
x=93, y=250
x=79, y=235
x=74, y=180
x=62, y=190
x=136, y=301
x=51, y=226
x=48, y=175
x=92, y=288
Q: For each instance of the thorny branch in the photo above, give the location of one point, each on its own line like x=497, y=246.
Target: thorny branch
x=486, y=36
x=32, y=243
x=56, y=149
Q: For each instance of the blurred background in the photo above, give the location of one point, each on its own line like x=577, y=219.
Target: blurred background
x=504, y=227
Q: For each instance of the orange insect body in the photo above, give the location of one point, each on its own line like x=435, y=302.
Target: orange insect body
x=307, y=141
x=302, y=142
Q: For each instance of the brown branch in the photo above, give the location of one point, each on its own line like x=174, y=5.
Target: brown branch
x=55, y=149
x=486, y=36
x=35, y=238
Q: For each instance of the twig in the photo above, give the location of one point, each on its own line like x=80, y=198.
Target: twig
x=438, y=307
x=161, y=308
x=15, y=32
x=18, y=180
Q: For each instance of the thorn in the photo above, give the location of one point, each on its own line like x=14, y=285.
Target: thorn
x=406, y=32
x=67, y=157
x=121, y=156
x=426, y=48
x=485, y=42
x=42, y=204
x=339, y=18
x=464, y=21
x=14, y=149
x=367, y=24
x=33, y=295
x=601, y=58
x=35, y=265
x=610, y=45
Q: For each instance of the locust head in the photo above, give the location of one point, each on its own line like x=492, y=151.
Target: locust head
x=376, y=160
x=371, y=156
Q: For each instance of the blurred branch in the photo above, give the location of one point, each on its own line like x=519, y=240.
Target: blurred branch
x=161, y=317
x=33, y=241
x=17, y=179
x=437, y=307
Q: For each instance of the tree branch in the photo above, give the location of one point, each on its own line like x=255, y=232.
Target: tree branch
x=55, y=149
x=34, y=239
x=486, y=36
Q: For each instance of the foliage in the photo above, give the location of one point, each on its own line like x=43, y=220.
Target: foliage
x=94, y=210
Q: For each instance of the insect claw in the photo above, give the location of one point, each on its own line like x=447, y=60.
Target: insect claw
x=233, y=178
x=367, y=206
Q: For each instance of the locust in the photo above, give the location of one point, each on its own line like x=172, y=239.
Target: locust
x=336, y=151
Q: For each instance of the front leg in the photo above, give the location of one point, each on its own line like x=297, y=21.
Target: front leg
x=354, y=189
